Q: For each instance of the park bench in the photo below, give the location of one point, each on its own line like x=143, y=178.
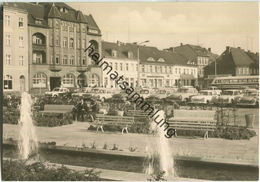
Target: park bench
x=139, y=115
x=123, y=121
x=59, y=109
x=202, y=120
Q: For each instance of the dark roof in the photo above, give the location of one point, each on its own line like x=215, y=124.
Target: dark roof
x=191, y=52
x=253, y=56
x=45, y=10
x=145, y=52
x=240, y=58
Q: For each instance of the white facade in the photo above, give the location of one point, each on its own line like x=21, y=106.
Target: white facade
x=160, y=75
x=126, y=67
x=15, y=50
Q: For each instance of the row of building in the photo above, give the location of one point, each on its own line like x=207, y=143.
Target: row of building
x=44, y=48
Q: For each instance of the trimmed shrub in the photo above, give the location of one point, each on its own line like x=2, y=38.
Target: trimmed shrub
x=52, y=119
x=20, y=171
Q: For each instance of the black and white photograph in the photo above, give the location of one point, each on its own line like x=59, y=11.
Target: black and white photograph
x=130, y=91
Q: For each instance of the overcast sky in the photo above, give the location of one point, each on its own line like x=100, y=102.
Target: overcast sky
x=166, y=24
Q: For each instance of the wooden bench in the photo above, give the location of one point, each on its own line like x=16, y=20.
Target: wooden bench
x=123, y=121
x=61, y=109
x=203, y=120
x=138, y=115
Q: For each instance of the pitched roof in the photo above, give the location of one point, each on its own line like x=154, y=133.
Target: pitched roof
x=253, y=56
x=240, y=58
x=45, y=10
x=145, y=52
x=191, y=52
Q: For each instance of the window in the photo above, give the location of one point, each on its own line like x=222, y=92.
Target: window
x=150, y=59
x=65, y=41
x=20, y=22
x=71, y=29
x=151, y=68
x=161, y=60
x=21, y=60
x=114, y=53
x=38, y=22
x=142, y=69
x=84, y=61
x=7, y=20
x=39, y=80
x=176, y=70
x=57, y=41
x=8, y=82
x=121, y=66
x=126, y=67
x=8, y=39
x=71, y=43
x=37, y=58
x=71, y=62
x=68, y=80
x=8, y=59
x=57, y=24
x=65, y=60
x=21, y=42
x=130, y=55
x=57, y=59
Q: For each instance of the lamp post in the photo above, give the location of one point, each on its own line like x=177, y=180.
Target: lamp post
x=138, y=61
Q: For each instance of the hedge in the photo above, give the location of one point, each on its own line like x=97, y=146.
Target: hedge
x=20, y=171
x=11, y=116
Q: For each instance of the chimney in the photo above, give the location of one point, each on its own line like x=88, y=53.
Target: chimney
x=257, y=54
x=181, y=44
x=227, y=48
x=118, y=43
x=209, y=49
x=239, y=47
x=171, y=49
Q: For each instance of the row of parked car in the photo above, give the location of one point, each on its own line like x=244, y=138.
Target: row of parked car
x=183, y=95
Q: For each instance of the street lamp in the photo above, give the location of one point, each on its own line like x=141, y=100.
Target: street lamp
x=138, y=61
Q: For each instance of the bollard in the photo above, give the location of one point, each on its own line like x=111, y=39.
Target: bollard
x=250, y=118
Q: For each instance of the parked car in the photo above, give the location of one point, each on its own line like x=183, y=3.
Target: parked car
x=228, y=97
x=204, y=97
x=250, y=98
x=161, y=93
x=183, y=94
x=215, y=89
x=80, y=92
x=144, y=93
x=57, y=92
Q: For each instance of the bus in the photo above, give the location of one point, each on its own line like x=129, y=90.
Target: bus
x=236, y=82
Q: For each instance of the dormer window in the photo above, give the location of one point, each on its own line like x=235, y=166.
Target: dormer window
x=114, y=53
x=130, y=55
x=150, y=59
x=161, y=60
x=64, y=10
x=38, y=22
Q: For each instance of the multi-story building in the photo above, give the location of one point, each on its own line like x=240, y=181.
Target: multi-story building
x=15, y=48
x=57, y=38
x=157, y=68
x=123, y=59
x=161, y=68
x=234, y=62
x=196, y=55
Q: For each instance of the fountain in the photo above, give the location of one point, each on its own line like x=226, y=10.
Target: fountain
x=159, y=155
x=27, y=143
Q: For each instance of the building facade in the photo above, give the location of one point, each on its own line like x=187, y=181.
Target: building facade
x=15, y=49
x=198, y=56
x=162, y=68
x=233, y=62
x=57, y=38
x=157, y=68
x=123, y=59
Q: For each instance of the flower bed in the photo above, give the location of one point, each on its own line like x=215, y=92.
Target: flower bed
x=228, y=132
x=11, y=116
x=20, y=171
